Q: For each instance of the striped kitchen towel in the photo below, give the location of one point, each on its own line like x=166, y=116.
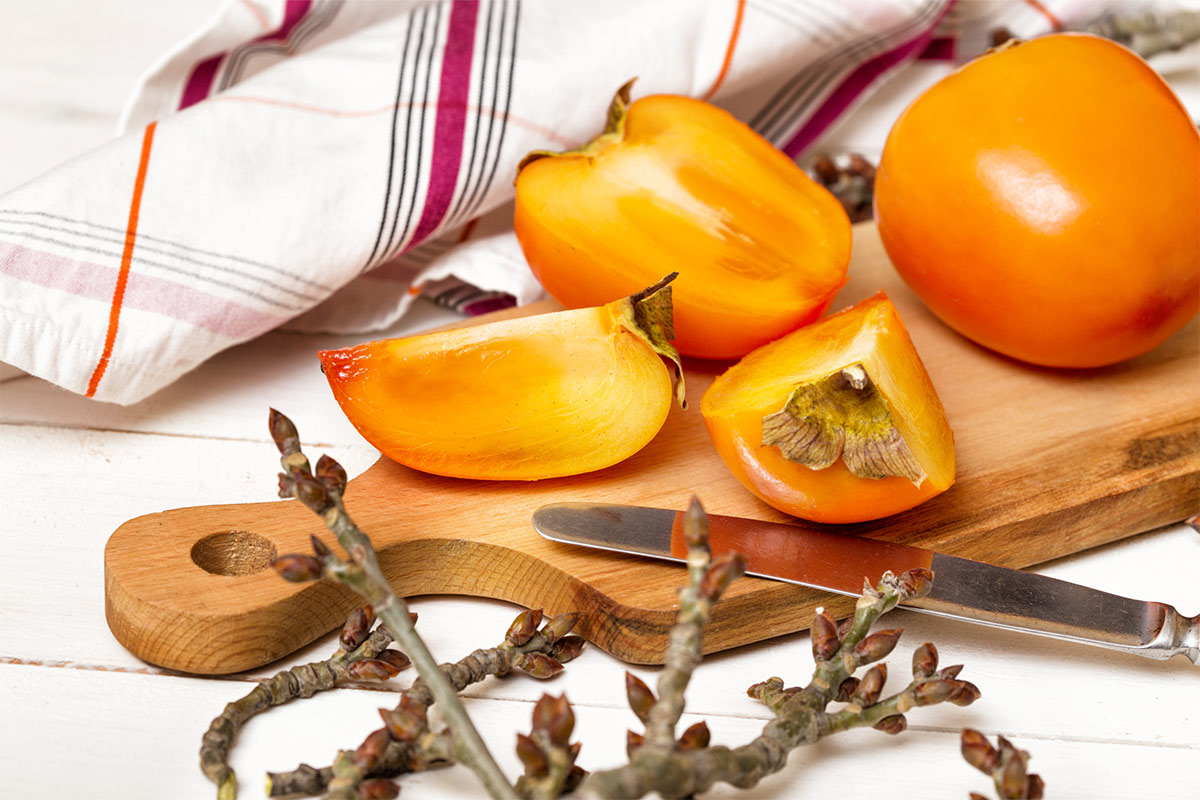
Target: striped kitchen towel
x=318, y=163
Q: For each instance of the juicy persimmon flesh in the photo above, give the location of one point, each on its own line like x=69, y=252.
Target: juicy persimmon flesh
x=811, y=370
x=521, y=399
x=678, y=184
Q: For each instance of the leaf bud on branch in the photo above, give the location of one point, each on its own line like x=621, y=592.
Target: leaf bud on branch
x=924, y=661
x=560, y=626
x=357, y=627
x=1007, y=766
x=524, y=626
x=824, y=634
x=641, y=699
x=298, y=567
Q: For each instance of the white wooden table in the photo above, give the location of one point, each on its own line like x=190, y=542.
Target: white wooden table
x=81, y=717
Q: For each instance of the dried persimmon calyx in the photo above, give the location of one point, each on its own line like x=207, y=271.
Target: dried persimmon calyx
x=842, y=415
x=613, y=133
x=648, y=314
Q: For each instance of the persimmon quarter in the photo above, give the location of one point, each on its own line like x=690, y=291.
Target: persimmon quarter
x=519, y=399
x=676, y=184
x=836, y=422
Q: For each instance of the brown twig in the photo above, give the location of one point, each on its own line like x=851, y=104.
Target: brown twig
x=659, y=760
x=1145, y=32
x=689, y=766
x=1148, y=32
x=852, y=182
x=321, y=491
x=302, y=681
x=539, y=653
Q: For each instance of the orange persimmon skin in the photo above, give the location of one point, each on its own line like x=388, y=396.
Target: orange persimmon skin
x=1043, y=201
x=760, y=248
x=831, y=495
x=520, y=399
x=870, y=333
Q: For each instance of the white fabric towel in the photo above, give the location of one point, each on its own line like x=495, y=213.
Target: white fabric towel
x=317, y=163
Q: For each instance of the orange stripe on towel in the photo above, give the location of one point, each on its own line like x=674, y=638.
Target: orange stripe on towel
x=257, y=13
x=1055, y=22
x=114, y=313
x=733, y=37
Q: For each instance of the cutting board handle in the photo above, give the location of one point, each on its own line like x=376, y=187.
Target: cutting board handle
x=192, y=588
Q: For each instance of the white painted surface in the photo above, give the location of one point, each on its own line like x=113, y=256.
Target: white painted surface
x=84, y=718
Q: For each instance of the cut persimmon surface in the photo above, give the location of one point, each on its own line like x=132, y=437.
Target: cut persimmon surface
x=836, y=422
x=674, y=183
x=519, y=399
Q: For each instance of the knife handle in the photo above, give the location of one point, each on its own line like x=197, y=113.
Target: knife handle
x=1179, y=635
x=1026, y=601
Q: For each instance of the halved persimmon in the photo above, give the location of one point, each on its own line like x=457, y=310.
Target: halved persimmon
x=518, y=399
x=835, y=422
x=676, y=184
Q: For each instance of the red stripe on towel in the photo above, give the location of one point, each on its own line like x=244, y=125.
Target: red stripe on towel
x=200, y=82
x=148, y=293
x=855, y=84
x=450, y=127
x=940, y=48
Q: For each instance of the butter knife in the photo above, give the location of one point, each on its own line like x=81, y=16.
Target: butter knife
x=962, y=588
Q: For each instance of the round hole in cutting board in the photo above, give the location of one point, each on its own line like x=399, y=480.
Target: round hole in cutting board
x=233, y=553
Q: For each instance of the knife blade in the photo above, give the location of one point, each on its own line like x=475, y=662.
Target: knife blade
x=962, y=588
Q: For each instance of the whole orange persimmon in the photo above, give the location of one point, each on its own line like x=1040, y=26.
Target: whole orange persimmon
x=1044, y=201
x=677, y=185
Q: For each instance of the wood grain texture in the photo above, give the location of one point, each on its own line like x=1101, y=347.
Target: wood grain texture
x=1049, y=463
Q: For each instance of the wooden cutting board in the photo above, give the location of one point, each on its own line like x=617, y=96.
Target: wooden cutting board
x=1049, y=463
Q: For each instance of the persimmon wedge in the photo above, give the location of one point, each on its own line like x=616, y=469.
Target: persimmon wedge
x=676, y=184
x=519, y=399
x=836, y=422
